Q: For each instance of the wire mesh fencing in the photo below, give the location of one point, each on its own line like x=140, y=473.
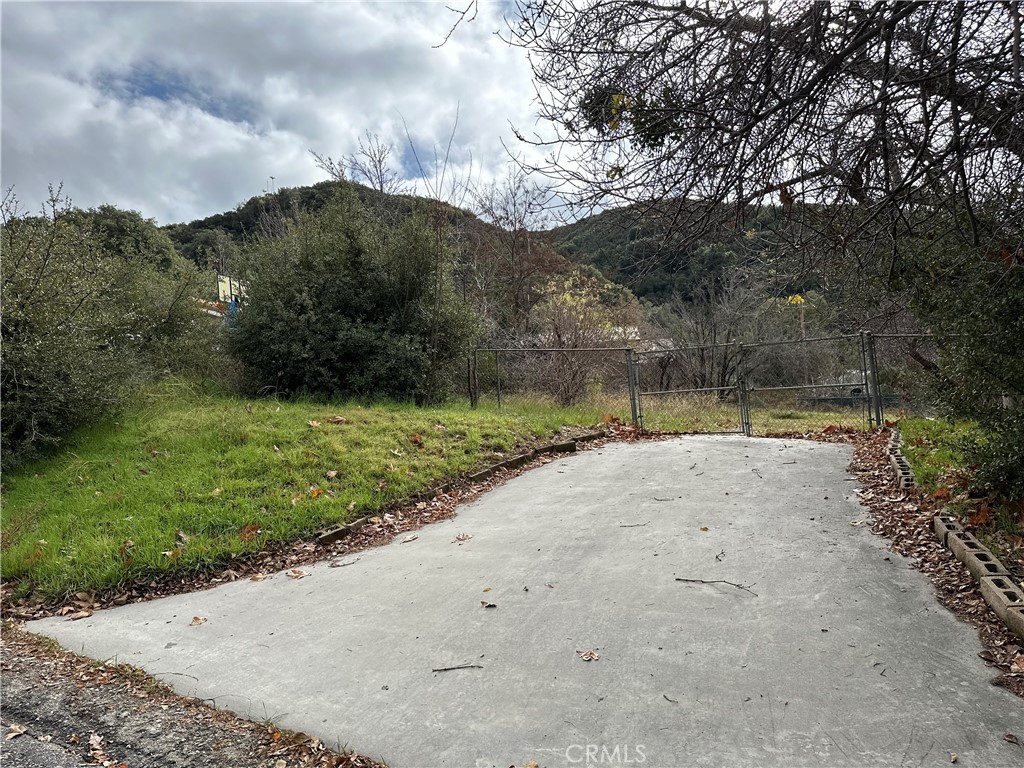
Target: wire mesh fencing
x=690, y=389
x=908, y=366
x=768, y=387
x=592, y=384
x=809, y=384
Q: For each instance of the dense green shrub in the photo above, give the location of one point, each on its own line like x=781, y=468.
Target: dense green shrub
x=345, y=304
x=93, y=302
x=976, y=308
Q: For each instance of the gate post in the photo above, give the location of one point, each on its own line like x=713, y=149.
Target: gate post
x=497, y=373
x=631, y=381
x=865, y=368
x=635, y=402
x=474, y=382
x=875, y=386
x=744, y=392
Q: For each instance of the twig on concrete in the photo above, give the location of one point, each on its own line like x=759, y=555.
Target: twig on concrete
x=665, y=696
x=720, y=581
x=636, y=525
x=458, y=666
x=719, y=556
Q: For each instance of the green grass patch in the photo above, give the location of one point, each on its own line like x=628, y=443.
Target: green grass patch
x=934, y=448
x=230, y=475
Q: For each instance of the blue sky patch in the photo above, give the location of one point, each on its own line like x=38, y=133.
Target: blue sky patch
x=150, y=81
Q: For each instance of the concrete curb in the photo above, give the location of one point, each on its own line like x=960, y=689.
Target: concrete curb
x=336, y=533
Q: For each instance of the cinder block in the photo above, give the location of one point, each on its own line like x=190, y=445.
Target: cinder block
x=591, y=436
x=983, y=563
x=355, y=525
x=962, y=543
x=1014, y=619
x=943, y=525
x=1001, y=593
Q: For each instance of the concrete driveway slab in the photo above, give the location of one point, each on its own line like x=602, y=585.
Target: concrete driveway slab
x=834, y=652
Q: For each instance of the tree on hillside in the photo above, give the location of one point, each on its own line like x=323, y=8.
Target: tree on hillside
x=93, y=302
x=515, y=206
x=339, y=305
x=370, y=165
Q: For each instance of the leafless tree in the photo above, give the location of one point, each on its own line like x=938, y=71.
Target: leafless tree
x=515, y=206
x=863, y=124
x=370, y=164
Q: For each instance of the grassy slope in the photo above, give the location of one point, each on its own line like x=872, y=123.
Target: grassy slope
x=215, y=467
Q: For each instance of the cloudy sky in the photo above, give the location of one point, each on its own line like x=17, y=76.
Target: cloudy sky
x=180, y=110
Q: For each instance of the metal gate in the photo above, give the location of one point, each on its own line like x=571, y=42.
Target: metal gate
x=692, y=389
x=763, y=388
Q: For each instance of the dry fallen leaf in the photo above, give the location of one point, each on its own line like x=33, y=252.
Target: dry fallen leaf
x=1011, y=738
x=316, y=493
x=485, y=604
x=331, y=474
x=14, y=731
x=215, y=492
x=588, y=655
x=258, y=577
x=197, y=620
x=79, y=615
x=351, y=506
x=461, y=538
x=313, y=423
x=250, y=532
x=407, y=539
x=1017, y=666
x=704, y=529
x=953, y=757
x=337, y=419
x=295, y=573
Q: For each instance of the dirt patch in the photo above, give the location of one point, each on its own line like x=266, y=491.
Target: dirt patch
x=79, y=711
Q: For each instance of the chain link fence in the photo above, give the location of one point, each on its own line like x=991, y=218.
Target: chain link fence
x=690, y=389
x=593, y=383
x=808, y=384
x=763, y=388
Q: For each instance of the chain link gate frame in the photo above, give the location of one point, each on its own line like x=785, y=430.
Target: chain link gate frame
x=705, y=389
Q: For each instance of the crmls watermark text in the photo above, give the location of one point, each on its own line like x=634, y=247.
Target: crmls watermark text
x=603, y=754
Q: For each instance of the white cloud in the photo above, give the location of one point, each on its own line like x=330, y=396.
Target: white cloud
x=183, y=110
